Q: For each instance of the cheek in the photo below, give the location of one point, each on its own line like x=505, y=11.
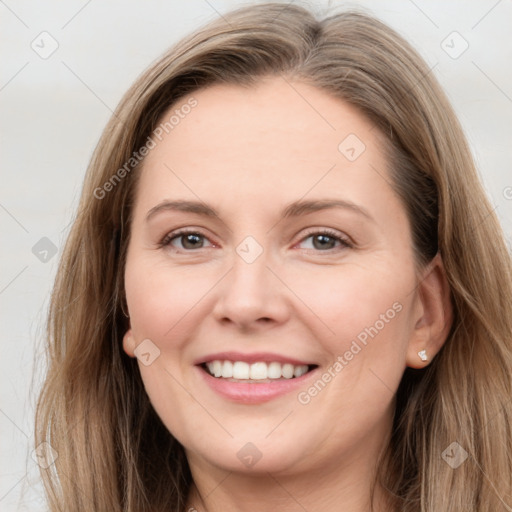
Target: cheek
x=368, y=310
x=164, y=303
x=161, y=300
x=353, y=299
x=365, y=328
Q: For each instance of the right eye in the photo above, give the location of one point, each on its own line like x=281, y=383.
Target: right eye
x=189, y=240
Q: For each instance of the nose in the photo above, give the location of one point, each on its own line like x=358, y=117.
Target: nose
x=252, y=296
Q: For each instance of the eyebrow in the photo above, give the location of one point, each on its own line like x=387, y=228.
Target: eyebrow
x=294, y=209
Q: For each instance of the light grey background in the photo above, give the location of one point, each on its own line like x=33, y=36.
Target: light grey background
x=53, y=110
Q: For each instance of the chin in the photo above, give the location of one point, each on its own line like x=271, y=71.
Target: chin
x=259, y=457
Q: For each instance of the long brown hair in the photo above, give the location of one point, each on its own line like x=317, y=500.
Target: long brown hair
x=114, y=453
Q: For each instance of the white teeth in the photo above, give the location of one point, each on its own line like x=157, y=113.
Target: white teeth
x=217, y=368
x=240, y=370
x=287, y=371
x=227, y=369
x=274, y=371
x=255, y=371
x=258, y=371
x=300, y=370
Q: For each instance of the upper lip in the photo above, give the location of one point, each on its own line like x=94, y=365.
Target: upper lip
x=255, y=357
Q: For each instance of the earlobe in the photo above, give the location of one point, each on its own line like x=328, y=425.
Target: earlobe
x=129, y=343
x=432, y=326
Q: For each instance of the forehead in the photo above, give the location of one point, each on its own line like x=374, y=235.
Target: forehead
x=278, y=140
x=272, y=114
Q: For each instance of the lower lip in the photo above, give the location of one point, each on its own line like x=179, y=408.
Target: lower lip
x=253, y=392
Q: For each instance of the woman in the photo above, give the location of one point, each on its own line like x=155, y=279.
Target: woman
x=284, y=289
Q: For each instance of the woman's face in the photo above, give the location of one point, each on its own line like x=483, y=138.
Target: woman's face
x=272, y=279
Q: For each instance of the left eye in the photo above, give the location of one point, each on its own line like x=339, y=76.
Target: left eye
x=326, y=241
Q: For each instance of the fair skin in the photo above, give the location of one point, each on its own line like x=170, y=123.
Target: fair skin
x=248, y=153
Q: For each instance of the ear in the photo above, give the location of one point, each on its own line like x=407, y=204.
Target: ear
x=433, y=315
x=129, y=343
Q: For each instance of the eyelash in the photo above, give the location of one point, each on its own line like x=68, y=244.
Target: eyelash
x=345, y=243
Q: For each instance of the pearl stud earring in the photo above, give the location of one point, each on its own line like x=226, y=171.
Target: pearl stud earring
x=423, y=355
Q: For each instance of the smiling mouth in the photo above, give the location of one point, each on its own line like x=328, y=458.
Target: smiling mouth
x=258, y=372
